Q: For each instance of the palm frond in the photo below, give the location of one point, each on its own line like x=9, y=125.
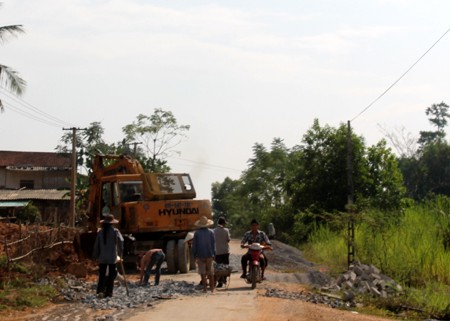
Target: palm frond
x=12, y=30
x=10, y=80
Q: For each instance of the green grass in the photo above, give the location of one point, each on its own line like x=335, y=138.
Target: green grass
x=29, y=295
x=14, y=267
x=433, y=299
x=410, y=247
x=17, y=289
x=325, y=246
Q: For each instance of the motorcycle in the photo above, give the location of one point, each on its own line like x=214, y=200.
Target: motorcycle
x=254, y=269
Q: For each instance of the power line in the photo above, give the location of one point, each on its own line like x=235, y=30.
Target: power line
x=28, y=115
x=403, y=75
x=36, y=113
x=207, y=165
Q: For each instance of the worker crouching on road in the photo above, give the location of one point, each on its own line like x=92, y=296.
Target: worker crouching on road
x=204, y=250
x=108, y=247
x=153, y=257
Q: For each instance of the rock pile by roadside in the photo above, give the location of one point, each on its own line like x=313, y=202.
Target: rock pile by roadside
x=365, y=279
x=340, y=293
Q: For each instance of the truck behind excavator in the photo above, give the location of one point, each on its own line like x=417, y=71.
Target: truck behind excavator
x=155, y=210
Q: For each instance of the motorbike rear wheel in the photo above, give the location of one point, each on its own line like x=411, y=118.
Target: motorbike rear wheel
x=254, y=276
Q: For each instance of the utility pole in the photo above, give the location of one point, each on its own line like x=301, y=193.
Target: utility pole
x=350, y=192
x=135, y=147
x=73, y=178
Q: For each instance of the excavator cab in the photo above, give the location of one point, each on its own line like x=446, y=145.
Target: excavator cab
x=168, y=186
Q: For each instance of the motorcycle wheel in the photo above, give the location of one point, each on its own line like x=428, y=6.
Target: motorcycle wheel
x=254, y=273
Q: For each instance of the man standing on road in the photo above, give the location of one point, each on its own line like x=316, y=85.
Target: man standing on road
x=108, y=247
x=254, y=236
x=153, y=257
x=222, y=235
x=204, y=249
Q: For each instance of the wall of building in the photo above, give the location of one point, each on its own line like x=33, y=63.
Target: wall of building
x=41, y=179
x=2, y=177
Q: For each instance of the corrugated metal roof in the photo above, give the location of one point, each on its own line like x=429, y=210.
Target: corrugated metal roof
x=34, y=194
x=45, y=159
x=37, y=168
x=14, y=204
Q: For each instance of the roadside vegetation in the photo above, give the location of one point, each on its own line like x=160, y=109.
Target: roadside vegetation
x=412, y=249
x=18, y=287
x=400, y=205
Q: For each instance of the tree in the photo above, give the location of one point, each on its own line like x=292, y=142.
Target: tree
x=404, y=142
x=385, y=189
x=264, y=183
x=223, y=198
x=300, y=188
x=435, y=165
x=88, y=143
x=260, y=191
x=428, y=170
x=319, y=177
x=438, y=114
x=9, y=78
x=264, y=179
x=159, y=134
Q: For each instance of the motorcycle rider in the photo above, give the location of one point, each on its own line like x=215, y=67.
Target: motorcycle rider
x=254, y=236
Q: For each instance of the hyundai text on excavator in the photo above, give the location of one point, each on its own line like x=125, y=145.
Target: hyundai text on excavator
x=154, y=210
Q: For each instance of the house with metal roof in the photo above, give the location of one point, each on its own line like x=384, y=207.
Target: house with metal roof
x=41, y=178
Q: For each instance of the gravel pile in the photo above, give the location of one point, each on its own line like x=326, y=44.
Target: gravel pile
x=309, y=297
x=84, y=292
x=341, y=293
x=285, y=257
x=365, y=279
x=140, y=295
x=80, y=291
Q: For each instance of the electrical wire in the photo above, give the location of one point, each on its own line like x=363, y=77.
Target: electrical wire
x=45, y=118
x=19, y=111
x=36, y=113
x=206, y=165
x=403, y=75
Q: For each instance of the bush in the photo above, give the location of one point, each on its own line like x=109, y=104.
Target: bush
x=30, y=214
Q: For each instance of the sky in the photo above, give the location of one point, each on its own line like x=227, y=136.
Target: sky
x=238, y=72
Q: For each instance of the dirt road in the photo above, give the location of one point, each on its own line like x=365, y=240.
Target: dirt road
x=288, y=274
x=239, y=302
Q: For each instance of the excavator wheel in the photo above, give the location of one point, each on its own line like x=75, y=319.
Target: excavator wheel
x=184, y=257
x=172, y=257
x=192, y=265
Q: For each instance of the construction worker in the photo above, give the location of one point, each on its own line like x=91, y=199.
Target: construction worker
x=153, y=257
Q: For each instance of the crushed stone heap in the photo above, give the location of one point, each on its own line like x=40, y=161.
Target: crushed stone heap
x=365, y=279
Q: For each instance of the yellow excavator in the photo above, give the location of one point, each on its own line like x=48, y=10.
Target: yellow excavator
x=155, y=210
